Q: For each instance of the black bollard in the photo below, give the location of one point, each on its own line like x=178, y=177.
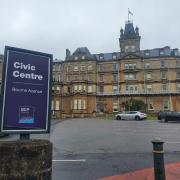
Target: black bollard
x=158, y=153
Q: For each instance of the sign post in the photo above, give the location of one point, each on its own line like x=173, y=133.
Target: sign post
x=26, y=92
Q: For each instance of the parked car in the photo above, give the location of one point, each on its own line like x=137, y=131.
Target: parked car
x=131, y=115
x=166, y=116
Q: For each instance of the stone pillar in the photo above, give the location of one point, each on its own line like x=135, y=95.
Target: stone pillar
x=25, y=160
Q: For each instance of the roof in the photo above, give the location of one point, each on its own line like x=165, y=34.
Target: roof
x=81, y=53
x=147, y=53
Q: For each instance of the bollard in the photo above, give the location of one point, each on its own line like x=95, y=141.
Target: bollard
x=158, y=153
x=25, y=160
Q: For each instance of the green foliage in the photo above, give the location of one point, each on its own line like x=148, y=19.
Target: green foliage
x=135, y=105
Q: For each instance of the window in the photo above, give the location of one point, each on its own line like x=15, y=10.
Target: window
x=52, y=105
x=115, y=77
x=178, y=87
x=84, y=104
x=175, y=52
x=177, y=63
x=126, y=66
x=150, y=105
x=75, y=104
x=149, y=88
x=133, y=49
x=69, y=89
x=132, y=66
x=75, y=77
x=165, y=104
x=114, y=56
x=58, y=89
x=115, y=106
x=84, y=88
x=80, y=87
x=54, y=78
x=101, y=57
x=82, y=67
x=90, y=89
x=59, y=78
x=115, y=89
x=68, y=78
x=57, y=105
x=83, y=57
x=132, y=76
x=163, y=75
x=178, y=75
x=89, y=77
x=100, y=67
x=147, y=54
x=114, y=67
x=79, y=104
x=127, y=88
x=75, y=67
x=69, y=68
x=90, y=67
x=163, y=64
x=126, y=48
x=148, y=75
x=101, y=77
x=126, y=76
x=54, y=67
x=82, y=76
x=147, y=65
x=164, y=87
x=161, y=53
x=101, y=89
x=75, y=87
x=75, y=58
x=132, y=88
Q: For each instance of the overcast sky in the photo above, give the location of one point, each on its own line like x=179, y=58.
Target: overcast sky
x=51, y=26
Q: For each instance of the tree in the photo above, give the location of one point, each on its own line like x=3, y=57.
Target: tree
x=135, y=105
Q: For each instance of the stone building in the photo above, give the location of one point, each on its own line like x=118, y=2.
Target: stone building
x=85, y=84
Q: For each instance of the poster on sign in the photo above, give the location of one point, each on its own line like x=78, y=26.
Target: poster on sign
x=26, y=91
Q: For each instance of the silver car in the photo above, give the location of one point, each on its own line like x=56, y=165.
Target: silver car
x=131, y=115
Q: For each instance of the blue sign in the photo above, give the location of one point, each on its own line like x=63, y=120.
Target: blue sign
x=26, y=91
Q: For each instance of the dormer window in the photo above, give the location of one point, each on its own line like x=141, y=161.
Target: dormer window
x=126, y=48
x=101, y=57
x=75, y=58
x=133, y=49
x=161, y=52
x=147, y=54
x=83, y=57
x=114, y=56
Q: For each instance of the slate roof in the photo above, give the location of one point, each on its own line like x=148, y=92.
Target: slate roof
x=79, y=52
x=147, y=53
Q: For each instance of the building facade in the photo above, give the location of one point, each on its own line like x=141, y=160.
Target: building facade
x=86, y=84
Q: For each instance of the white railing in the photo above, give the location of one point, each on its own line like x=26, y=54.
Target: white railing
x=143, y=92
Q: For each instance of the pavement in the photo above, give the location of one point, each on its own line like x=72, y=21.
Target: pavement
x=172, y=173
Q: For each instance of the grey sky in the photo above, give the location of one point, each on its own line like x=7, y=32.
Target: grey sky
x=53, y=25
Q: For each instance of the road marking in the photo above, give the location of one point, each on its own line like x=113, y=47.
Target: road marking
x=172, y=142
x=69, y=160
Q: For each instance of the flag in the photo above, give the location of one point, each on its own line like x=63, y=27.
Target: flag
x=129, y=12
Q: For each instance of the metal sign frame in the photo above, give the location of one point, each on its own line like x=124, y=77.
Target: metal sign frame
x=44, y=61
